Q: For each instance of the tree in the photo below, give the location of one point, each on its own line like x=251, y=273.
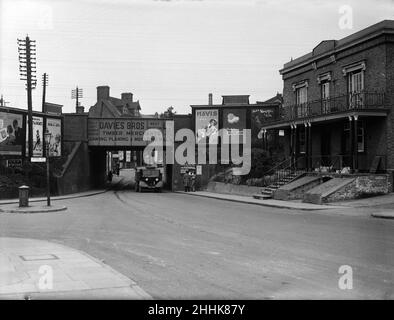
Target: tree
x=169, y=113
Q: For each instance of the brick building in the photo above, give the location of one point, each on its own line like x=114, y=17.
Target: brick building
x=107, y=106
x=338, y=103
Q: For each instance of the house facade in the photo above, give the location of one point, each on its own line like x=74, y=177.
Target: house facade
x=338, y=103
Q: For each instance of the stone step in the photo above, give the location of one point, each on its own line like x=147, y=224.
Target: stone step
x=267, y=191
x=262, y=196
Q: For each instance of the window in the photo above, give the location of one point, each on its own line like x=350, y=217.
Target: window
x=301, y=100
x=325, y=94
x=355, y=82
x=355, y=89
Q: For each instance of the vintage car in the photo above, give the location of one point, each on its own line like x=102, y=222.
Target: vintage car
x=148, y=178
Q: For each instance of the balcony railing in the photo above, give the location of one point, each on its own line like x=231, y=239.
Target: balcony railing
x=343, y=103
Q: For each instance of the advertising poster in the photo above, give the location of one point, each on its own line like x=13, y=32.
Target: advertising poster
x=54, y=126
x=234, y=121
x=259, y=117
x=38, y=138
x=207, y=125
x=12, y=134
x=114, y=132
x=109, y=132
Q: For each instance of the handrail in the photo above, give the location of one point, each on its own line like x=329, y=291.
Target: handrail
x=340, y=103
x=277, y=166
x=282, y=172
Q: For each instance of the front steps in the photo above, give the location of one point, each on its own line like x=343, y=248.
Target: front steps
x=267, y=192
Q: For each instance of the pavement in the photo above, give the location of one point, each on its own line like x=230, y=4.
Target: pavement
x=36, y=269
x=383, y=214
x=56, y=198
x=37, y=208
x=36, y=205
x=297, y=205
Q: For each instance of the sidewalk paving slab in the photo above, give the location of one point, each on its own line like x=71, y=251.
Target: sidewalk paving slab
x=31, y=209
x=383, y=214
x=75, y=274
x=268, y=202
x=55, y=198
x=385, y=199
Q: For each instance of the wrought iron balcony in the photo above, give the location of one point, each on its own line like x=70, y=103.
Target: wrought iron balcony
x=338, y=104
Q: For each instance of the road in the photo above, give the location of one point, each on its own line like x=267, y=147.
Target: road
x=179, y=246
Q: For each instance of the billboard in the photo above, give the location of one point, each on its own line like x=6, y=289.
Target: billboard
x=234, y=121
x=38, y=138
x=12, y=134
x=54, y=126
x=207, y=125
x=121, y=132
x=259, y=117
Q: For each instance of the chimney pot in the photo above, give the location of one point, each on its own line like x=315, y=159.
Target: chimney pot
x=210, y=99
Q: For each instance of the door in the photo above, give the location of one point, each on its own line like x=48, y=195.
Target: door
x=325, y=147
x=325, y=95
x=356, y=87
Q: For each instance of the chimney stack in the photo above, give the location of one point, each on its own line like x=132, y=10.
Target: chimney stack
x=127, y=96
x=102, y=93
x=210, y=99
x=80, y=109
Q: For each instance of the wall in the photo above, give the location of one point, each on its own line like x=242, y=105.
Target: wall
x=374, y=52
x=76, y=175
x=363, y=186
x=379, y=76
x=390, y=101
x=229, y=188
x=180, y=122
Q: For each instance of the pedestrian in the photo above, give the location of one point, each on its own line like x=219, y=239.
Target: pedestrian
x=192, y=182
x=186, y=180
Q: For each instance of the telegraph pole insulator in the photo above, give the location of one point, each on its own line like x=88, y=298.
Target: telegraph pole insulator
x=76, y=94
x=44, y=86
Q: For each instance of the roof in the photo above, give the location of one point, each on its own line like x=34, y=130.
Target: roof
x=114, y=107
x=235, y=99
x=278, y=99
x=331, y=46
x=53, y=104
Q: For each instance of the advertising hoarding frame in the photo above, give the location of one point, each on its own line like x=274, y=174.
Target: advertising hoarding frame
x=130, y=143
x=24, y=115
x=21, y=116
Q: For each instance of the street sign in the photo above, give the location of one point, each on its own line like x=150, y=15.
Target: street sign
x=37, y=159
x=199, y=170
x=14, y=163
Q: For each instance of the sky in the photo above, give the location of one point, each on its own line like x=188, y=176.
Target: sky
x=168, y=52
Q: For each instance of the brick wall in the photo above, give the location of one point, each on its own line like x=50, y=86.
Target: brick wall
x=76, y=177
x=374, y=53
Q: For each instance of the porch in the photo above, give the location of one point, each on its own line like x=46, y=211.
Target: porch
x=347, y=131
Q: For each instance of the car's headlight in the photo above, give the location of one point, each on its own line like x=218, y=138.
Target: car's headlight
x=146, y=179
x=157, y=179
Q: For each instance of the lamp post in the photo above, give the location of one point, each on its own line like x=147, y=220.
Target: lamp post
x=48, y=137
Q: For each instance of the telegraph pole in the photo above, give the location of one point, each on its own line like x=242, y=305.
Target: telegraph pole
x=3, y=103
x=76, y=94
x=44, y=86
x=27, y=69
